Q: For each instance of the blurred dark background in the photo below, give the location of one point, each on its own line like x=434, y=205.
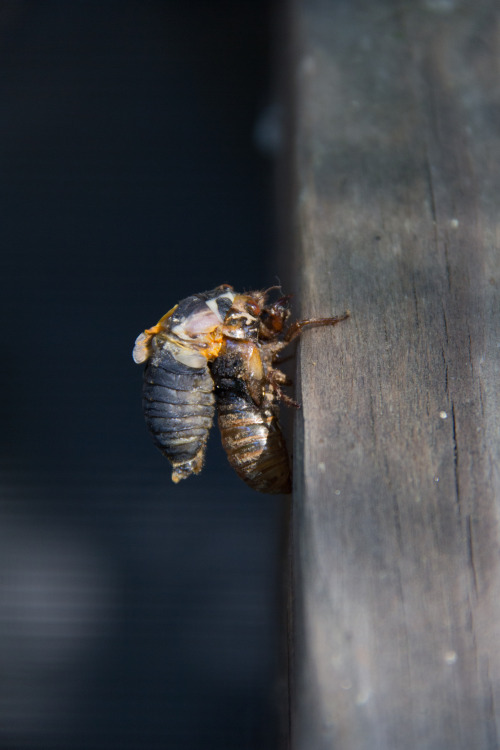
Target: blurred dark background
x=133, y=613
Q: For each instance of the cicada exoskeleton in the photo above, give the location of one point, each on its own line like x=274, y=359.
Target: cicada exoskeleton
x=248, y=388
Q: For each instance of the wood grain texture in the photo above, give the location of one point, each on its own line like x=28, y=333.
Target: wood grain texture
x=396, y=538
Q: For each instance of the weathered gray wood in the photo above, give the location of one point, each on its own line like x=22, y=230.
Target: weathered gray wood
x=396, y=539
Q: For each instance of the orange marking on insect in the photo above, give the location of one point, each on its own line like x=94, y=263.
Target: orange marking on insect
x=211, y=351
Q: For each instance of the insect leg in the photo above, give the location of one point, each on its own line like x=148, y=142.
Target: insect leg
x=297, y=327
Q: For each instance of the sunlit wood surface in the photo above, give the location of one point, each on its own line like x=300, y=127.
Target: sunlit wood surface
x=395, y=606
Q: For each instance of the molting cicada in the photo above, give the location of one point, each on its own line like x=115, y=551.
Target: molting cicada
x=221, y=347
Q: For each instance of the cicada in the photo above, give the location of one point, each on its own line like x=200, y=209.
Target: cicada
x=220, y=347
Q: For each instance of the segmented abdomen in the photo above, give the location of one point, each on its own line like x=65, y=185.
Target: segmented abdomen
x=178, y=404
x=254, y=444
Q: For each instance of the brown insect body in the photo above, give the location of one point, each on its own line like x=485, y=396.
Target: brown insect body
x=248, y=418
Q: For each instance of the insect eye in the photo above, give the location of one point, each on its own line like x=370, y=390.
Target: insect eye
x=253, y=308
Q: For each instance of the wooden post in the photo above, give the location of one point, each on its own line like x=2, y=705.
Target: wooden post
x=396, y=542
